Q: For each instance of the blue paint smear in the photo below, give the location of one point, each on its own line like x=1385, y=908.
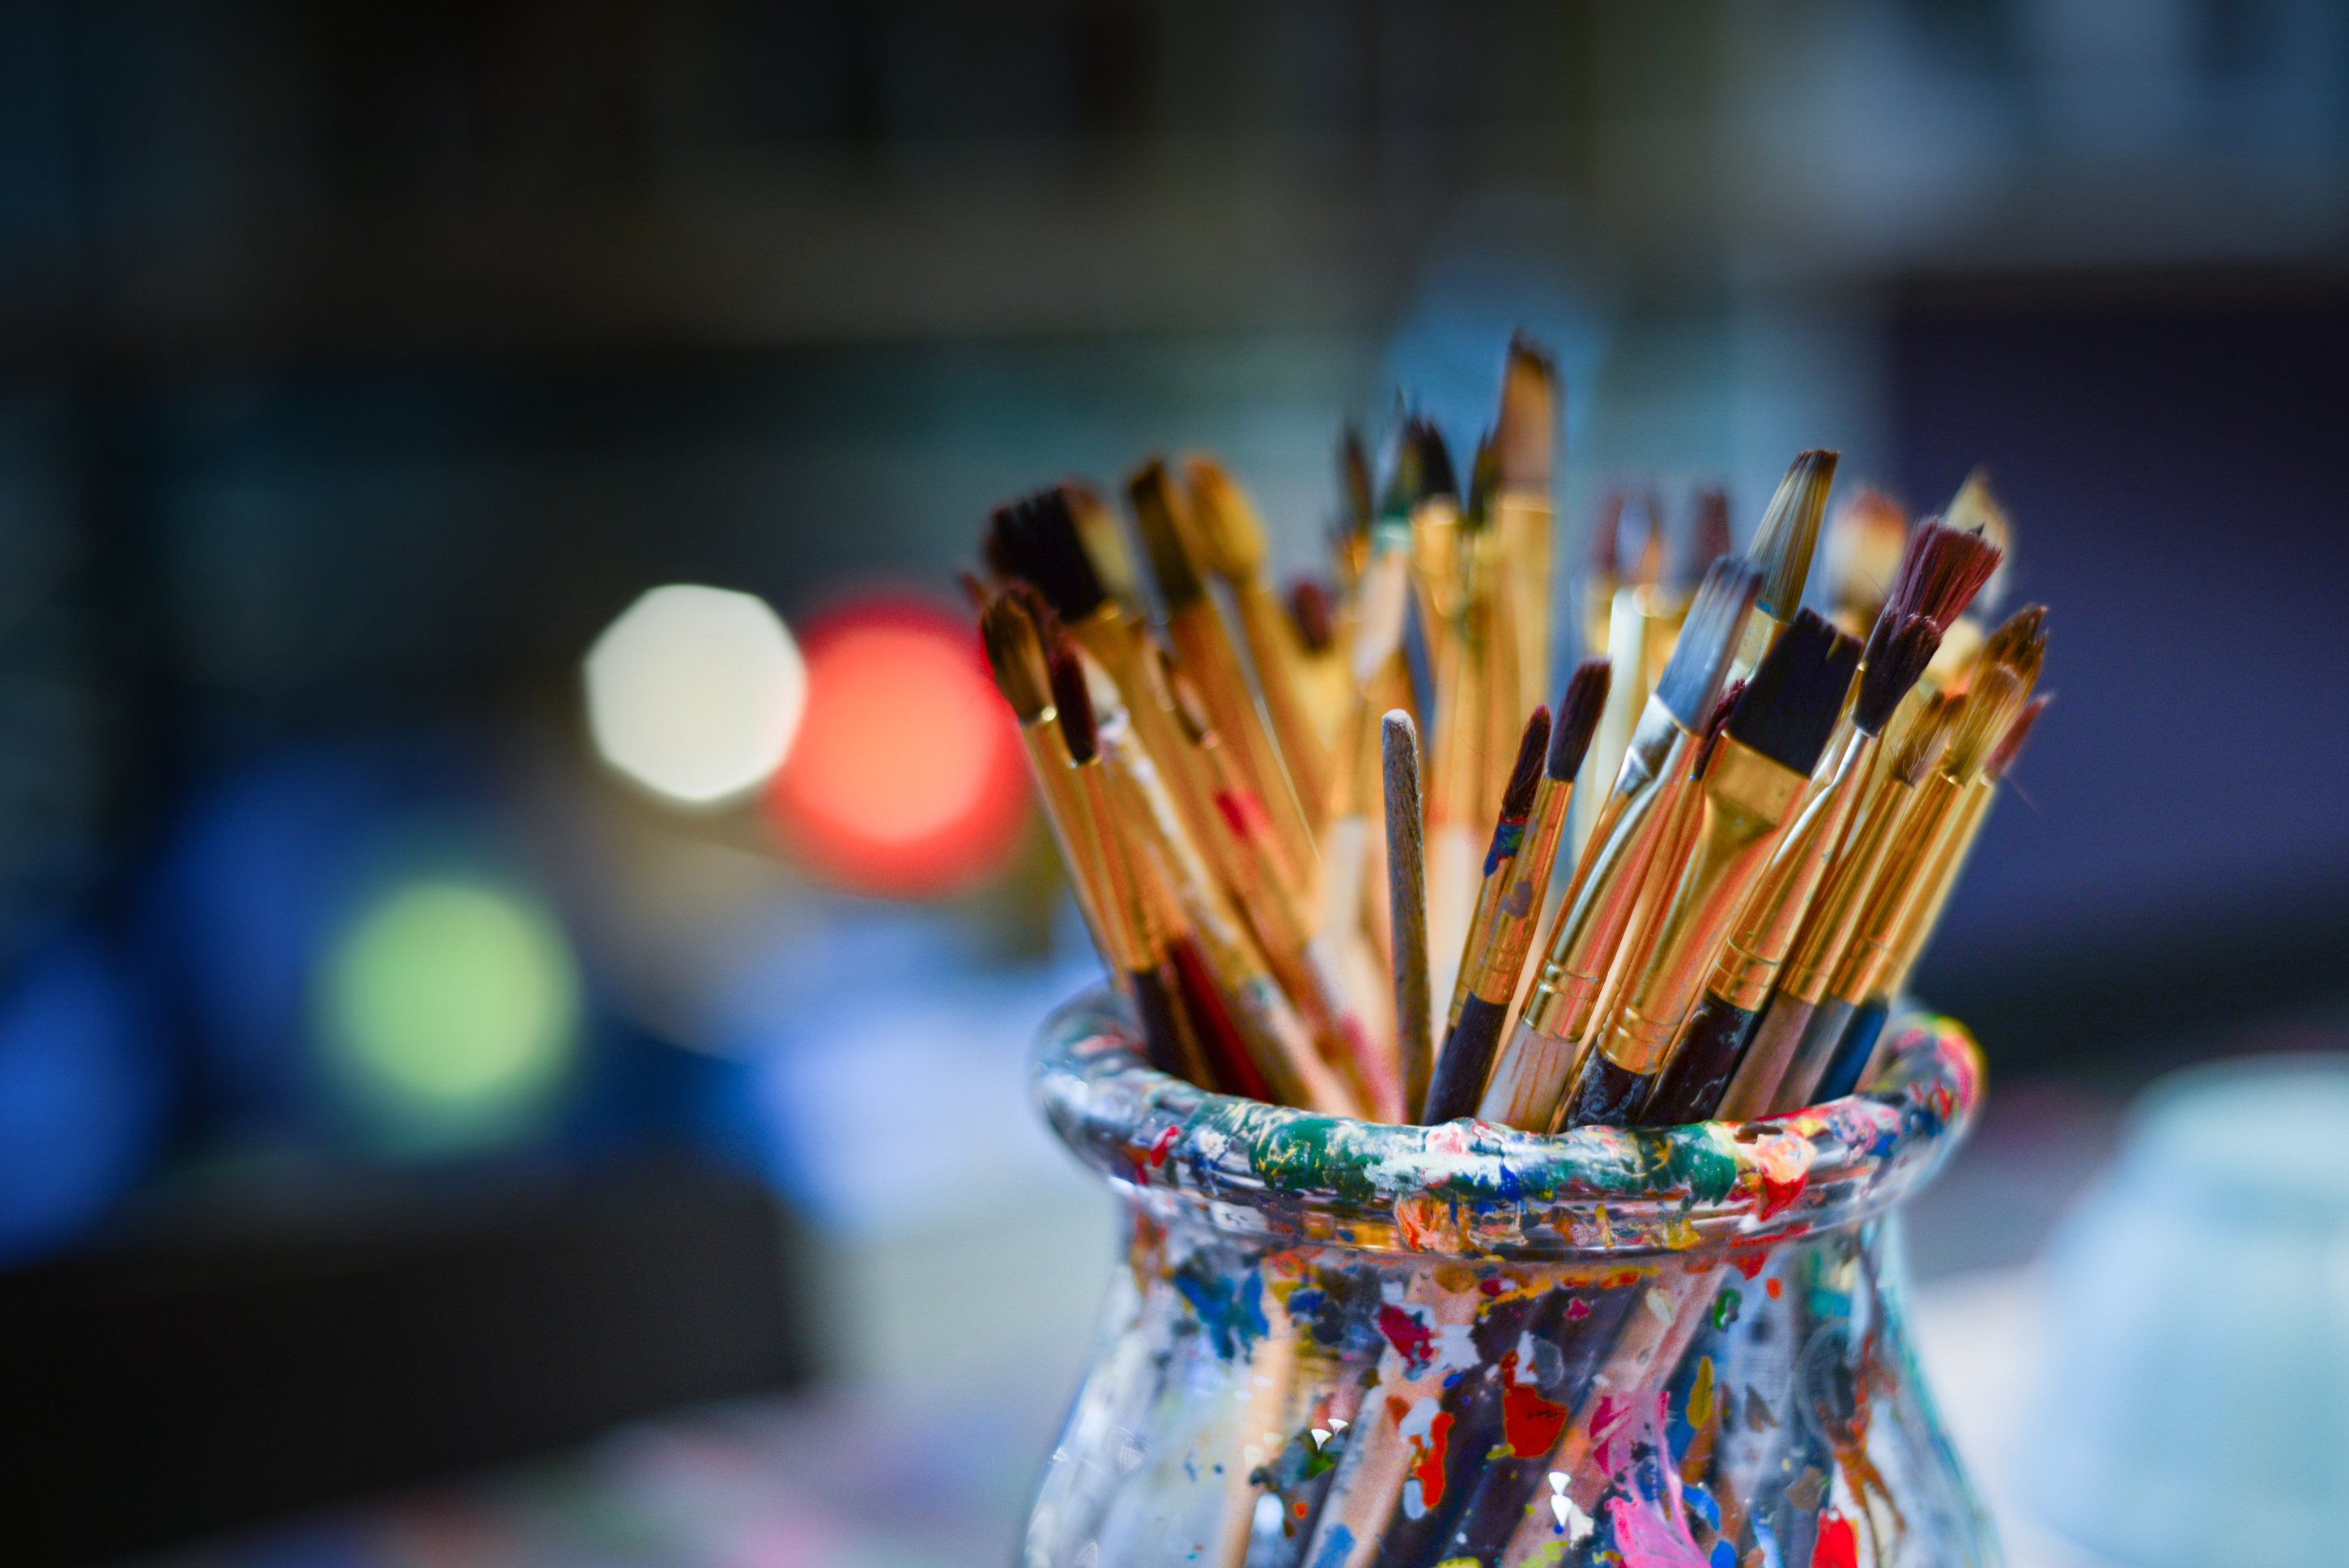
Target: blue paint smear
x=1335, y=1547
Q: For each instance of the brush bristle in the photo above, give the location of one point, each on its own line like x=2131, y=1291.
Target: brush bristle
x=1527, y=438
x=1607, y=534
x=1037, y=537
x=1792, y=703
x=1709, y=537
x=1436, y=478
x=974, y=592
x=1015, y=653
x=1230, y=536
x=1991, y=704
x=1898, y=653
x=2020, y=645
x=1974, y=510
x=1577, y=719
x=1941, y=571
x=1922, y=746
x=2009, y=744
x=1868, y=538
x=1156, y=511
x=1517, y=797
x=1103, y=540
x=1074, y=705
x=1308, y=608
x=1692, y=677
x=1357, y=490
x=1483, y=484
x=1789, y=534
x=1716, y=725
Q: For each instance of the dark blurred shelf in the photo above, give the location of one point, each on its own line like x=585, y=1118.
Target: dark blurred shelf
x=214, y=1374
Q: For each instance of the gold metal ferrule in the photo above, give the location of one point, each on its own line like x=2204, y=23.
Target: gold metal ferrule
x=1607, y=885
x=1744, y=801
x=1925, y=831
x=1773, y=916
x=1947, y=865
x=1827, y=932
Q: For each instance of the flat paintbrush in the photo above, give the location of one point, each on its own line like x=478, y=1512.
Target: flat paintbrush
x=1752, y=780
x=1784, y=544
x=1539, y=1061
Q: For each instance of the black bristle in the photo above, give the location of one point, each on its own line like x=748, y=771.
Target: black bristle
x=1076, y=704
x=1484, y=482
x=1790, y=707
x=1354, y=483
x=1435, y=461
x=1715, y=724
x=1577, y=719
x=1037, y=533
x=1519, y=798
x=1898, y=653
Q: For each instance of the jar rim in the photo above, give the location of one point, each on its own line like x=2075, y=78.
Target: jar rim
x=1473, y=1188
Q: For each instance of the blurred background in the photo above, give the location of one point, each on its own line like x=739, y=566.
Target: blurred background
x=519, y=920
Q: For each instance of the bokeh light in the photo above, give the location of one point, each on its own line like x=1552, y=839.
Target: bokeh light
x=696, y=693
x=906, y=780
x=453, y=1005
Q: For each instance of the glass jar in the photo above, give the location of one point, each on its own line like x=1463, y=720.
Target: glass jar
x=1339, y=1344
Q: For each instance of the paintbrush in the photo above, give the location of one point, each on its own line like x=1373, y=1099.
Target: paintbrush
x=1407, y=897
x=1524, y=444
x=1275, y=1039
x=1539, y=1061
x=1994, y=699
x=1784, y=1037
x=1503, y=934
x=1752, y=779
x=1782, y=546
x=1479, y=680
x=1867, y=533
x=1323, y=681
x=1196, y=628
x=1231, y=539
x=1939, y=572
x=1439, y=577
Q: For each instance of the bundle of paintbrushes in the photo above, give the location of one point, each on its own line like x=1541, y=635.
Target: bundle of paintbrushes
x=1315, y=835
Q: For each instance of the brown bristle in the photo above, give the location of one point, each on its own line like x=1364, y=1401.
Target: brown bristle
x=1074, y=703
x=1709, y=537
x=1308, y=607
x=1607, y=534
x=1103, y=541
x=1940, y=572
x=1483, y=484
x=1989, y=708
x=2019, y=645
x=1526, y=441
x=1789, y=533
x=1927, y=738
x=1015, y=653
x=1897, y=655
x=1157, y=511
x=1229, y=536
x=1867, y=540
x=1576, y=720
x=1355, y=486
x=1517, y=798
x=1973, y=510
x=2009, y=744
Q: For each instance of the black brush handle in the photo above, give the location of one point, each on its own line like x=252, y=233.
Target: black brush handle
x=1466, y=1060
x=1605, y=1095
x=1814, y=1053
x=1854, y=1051
x=1701, y=1065
x=1161, y=1036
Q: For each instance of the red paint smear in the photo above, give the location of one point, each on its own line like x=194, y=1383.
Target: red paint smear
x=1235, y=1069
x=1778, y=1195
x=1427, y=1461
x=1750, y=1263
x=1577, y=1309
x=1158, y=1150
x=1412, y=1337
x=1529, y=1423
x=1837, y=1546
x=1772, y=1286
x=1244, y=814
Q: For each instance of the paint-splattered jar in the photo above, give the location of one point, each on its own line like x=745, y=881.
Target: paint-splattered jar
x=1340, y=1344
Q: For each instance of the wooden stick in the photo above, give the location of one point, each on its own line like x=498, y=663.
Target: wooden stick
x=1407, y=902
